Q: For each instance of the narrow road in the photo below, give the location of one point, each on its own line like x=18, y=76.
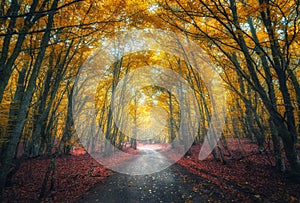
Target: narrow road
x=174, y=184
x=148, y=162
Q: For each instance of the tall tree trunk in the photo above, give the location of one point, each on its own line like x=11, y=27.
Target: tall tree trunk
x=6, y=61
x=17, y=132
x=67, y=134
x=287, y=128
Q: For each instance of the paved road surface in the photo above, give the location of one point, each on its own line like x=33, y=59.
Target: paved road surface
x=174, y=184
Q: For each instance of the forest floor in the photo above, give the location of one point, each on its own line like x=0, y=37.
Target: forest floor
x=246, y=177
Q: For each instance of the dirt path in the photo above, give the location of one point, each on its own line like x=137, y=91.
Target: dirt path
x=174, y=184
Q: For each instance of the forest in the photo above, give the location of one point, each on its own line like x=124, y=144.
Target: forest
x=206, y=93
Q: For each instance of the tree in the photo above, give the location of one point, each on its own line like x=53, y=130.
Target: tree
x=43, y=46
x=205, y=20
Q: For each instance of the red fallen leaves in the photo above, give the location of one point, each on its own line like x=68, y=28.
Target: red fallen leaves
x=71, y=179
x=74, y=175
x=249, y=179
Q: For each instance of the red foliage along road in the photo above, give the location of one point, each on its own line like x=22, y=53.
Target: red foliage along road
x=74, y=175
x=247, y=175
x=248, y=179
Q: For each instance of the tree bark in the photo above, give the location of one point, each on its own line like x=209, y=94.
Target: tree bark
x=17, y=132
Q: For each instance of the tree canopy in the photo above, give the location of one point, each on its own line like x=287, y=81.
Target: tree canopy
x=252, y=44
